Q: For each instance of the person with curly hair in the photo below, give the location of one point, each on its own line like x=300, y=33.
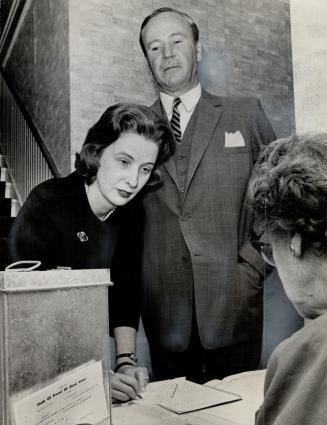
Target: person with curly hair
x=93, y=219
x=288, y=195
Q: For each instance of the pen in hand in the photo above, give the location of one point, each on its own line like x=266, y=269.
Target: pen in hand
x=142, y=377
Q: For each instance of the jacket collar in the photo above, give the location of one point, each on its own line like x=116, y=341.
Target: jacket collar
x=209, y=112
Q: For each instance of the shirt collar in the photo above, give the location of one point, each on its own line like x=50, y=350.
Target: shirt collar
x=189, y=99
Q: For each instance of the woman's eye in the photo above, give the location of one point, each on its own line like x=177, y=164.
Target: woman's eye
x=146, y=170
x=154, y=48
x=123, y=162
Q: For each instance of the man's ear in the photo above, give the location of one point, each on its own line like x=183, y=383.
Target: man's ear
x=296, y=245
x=198, y=51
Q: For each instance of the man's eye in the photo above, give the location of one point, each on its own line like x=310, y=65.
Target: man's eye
x=154, y=48
x=177, y=41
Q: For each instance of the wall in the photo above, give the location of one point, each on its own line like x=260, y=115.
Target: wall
x=247, y=52
x=309, y=29
x=68, y=75
x=38, y=65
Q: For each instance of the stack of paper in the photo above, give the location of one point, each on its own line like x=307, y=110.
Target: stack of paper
x=168, y=403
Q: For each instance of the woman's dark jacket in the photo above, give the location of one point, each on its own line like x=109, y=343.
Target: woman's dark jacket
x=57, y=226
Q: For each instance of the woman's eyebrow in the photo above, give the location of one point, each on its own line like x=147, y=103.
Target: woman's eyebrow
x=124, y=153
x=132, y=158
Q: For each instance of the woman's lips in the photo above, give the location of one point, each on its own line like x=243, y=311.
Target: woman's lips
x=124, y=193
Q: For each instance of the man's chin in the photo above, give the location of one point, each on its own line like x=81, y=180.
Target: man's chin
x=173, y=83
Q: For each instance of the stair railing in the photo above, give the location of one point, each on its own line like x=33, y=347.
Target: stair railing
x=28, y=159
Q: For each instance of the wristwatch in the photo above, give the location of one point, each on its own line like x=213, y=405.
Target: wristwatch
x=131, y=356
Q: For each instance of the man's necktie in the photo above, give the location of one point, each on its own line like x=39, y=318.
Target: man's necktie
x=175, y=121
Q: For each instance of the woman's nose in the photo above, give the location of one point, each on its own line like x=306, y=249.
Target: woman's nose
x=132, y=178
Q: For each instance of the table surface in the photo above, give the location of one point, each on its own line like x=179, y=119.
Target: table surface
x=249, y=385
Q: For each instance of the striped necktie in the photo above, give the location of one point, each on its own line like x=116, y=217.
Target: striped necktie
x=175, y=121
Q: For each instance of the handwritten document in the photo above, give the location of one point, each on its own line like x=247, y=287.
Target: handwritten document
x=78, y=397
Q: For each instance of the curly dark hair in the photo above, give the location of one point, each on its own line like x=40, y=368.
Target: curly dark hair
x=185, y=16
x=116, y=120
x=288, y=189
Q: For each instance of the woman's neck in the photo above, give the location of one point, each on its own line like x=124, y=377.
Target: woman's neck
x=101, y=208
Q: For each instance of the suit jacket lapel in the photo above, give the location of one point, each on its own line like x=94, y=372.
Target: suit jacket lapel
x=209, y=111
x=169, y=164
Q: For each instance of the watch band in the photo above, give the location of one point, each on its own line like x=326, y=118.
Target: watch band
x=131, y=356
x=123, y=364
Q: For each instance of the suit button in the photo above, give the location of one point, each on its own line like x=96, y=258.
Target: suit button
x=184, y=217
x=181, y=172
x=180, y=157
x=183, y=189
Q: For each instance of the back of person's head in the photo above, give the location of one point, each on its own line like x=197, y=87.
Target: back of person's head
x=116, y=120
x=288, y=189
x=185, y=16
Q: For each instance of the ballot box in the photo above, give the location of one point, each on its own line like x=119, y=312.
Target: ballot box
x=54, y=347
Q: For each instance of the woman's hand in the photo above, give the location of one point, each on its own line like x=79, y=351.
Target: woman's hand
x=128, y=383
x=124, y=387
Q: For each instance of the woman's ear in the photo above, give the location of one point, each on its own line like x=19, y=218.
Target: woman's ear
x=296, y=245
x=155, y=179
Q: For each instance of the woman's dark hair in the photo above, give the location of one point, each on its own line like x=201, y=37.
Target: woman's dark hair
x=185, y=16
x=288, y=188
x=116, y=120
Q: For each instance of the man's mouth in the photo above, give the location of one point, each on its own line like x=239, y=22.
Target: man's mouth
x=172, y=66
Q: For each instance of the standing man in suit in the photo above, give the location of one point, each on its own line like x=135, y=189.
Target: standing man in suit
x=202, y=294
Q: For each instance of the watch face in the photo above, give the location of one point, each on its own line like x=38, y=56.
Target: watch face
x=133, y=357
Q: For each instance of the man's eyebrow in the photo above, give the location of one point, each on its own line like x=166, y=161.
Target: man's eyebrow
x=177, y=33
x=157, y=40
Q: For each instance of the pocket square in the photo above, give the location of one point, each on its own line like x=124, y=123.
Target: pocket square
x=234, y=140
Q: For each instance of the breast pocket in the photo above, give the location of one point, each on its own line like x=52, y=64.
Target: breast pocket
x=235, y=150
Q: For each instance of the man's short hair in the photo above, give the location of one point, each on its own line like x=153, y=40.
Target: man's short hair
x=185, y=16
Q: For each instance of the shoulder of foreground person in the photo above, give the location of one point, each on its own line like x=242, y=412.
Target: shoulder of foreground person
x=296, y=379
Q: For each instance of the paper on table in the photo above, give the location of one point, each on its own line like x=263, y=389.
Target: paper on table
x=78, y=397
x=195, y=397
x=250, y=386
x=146, y=412
x=161, y=390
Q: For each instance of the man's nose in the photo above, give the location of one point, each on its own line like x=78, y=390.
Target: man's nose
x=168, y=50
